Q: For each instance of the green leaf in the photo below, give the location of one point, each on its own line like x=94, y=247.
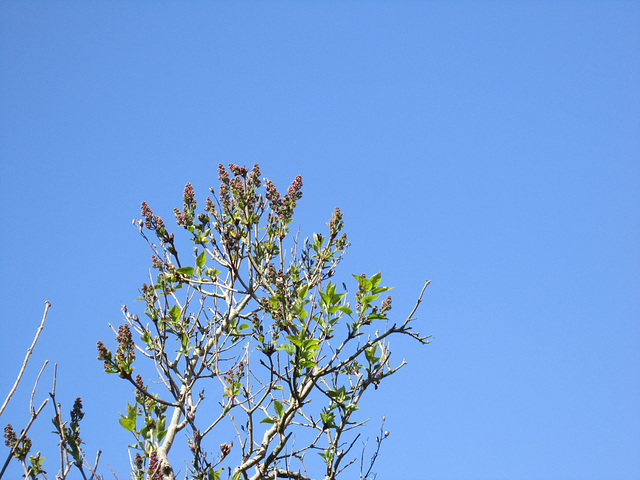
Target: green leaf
x=160, y=434
x=128, y=424
x=147, y=339
x=338, y=396
x=287, y=347
x=278, y=408
x=212, y=272
x=268, y=420
x=201, y=259
x=175, y=313
x=331, y=289
x=381, y=289
x=132, y=411
x=311, y=345
x=318, y=241
x=328, y=419
x=214, y=474
x=375, y=280
x=160, y=423
x=295, y=339
x=145, y=432
x=368, y=298
x=302, y=293
x=364, y=282
x=188, y=271
x=370, y=353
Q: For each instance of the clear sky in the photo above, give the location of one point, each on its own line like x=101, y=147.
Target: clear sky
x=492, y=147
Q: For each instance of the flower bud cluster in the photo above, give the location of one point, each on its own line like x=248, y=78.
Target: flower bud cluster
x=153, y=222
x=209, y=206
x=361, y=292
x=185, y=218
x=104, y=354
x=257, y=324
x=140, y=389
x=233, y=379
x=225, y=449
x=284, y=207
x=386, y=305
x=156, y=262
x=336, y=223
x=155, y=472
x=11, y=441
x=77, y=414
x=335, y=226
x=138, y=462
x=125, y=354
x=10, y=436
x=126, y=347
x=240, y=190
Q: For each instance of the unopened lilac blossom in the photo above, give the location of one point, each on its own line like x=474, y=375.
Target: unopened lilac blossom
x=155, y=473
x=10, y=436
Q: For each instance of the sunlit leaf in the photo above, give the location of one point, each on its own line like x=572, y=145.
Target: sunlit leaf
x=201, y=259
x=188, y=271
x=277, y=406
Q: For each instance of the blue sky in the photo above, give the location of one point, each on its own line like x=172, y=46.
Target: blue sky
x=492, y=147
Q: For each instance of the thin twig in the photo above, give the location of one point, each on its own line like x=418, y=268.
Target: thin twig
x=35, y=386
x=26, y=358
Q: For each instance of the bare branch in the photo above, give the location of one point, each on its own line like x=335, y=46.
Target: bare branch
x=47, y=304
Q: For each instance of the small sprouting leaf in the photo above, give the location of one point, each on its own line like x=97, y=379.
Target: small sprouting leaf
x=188, y=271
x=318, y=241
x=268, y=420
x=214, y=474
x=370, y=354
x=338, y=396
x=278, y=408
x=132, y=411
x=212, y=272
x=375, y=280
x=147, y=339
x=160, y=423
x=328, y=419
x=201, y=259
